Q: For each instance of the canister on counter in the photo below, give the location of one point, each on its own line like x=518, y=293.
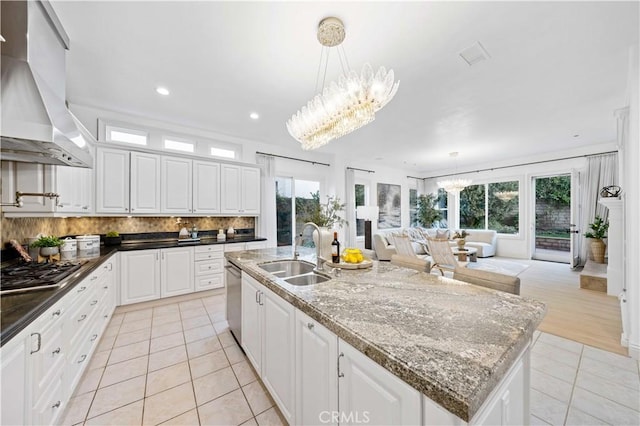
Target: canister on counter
x=69, y=249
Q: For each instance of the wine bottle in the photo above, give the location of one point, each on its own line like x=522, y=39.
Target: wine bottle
x=335, y=249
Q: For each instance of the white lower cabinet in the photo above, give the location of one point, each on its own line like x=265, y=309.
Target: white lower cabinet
x=268, y=340
x=176, y=271
x=152, y=274
x=209, y=267
x=316, y=372
x=139, y=276
x=43, y=363
x=370, y=394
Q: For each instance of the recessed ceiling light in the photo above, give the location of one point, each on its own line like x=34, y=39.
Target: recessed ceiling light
x=254, y=115
x=162, y=90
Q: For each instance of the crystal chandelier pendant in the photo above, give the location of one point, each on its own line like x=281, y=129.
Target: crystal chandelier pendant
x=344, y=106
x=454, y=186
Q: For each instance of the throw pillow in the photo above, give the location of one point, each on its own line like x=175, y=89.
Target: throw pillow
x=442, y=234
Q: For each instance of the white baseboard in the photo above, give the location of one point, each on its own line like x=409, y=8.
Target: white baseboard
x=634, y=351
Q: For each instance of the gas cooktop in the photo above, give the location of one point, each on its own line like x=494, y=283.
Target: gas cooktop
x=35, y=276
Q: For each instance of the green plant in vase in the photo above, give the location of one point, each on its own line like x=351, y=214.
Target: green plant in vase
x=48, y=245
x=598, y=231
x=112, y=238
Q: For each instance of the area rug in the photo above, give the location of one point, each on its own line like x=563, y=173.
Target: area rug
x=505, y=267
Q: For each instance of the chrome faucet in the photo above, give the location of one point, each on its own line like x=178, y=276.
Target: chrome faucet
x=319, y=260
x=297, y=241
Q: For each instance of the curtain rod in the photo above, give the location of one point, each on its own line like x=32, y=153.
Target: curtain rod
x=294, y=159
x=523, y=164
x=416, y=178
x=360, y=170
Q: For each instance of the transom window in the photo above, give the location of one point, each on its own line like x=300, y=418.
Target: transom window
x=223, y=153
x=124, y=135
x=179, y=145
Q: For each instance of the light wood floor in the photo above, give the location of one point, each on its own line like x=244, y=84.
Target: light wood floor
x=585, y=316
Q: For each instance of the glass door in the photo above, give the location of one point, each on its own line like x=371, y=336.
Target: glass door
x=553, y=218
x=293, y=196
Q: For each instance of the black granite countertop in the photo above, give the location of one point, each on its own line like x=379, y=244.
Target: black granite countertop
x=18, y=310
x=451, y=340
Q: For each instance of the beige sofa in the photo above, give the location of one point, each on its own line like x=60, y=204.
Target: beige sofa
x=483, y=240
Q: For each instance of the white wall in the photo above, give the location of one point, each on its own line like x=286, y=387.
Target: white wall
x=631, y=196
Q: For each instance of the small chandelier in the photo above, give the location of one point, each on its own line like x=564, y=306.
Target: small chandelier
x=343, y=107
x=454, y=186
x=506, y=195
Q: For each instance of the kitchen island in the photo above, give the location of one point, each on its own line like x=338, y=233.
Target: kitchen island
x=451, y=341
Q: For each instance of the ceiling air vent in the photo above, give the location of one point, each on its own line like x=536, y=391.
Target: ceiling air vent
x=474, y=54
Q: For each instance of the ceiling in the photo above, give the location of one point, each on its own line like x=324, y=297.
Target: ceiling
x=556, y=73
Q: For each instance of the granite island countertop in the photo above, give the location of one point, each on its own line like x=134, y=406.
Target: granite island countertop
x=452, y=341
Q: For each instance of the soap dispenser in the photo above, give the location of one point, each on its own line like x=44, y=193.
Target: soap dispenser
x=231, y=232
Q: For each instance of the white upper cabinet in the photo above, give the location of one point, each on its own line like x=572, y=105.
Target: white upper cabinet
x=74, y=186
x=27, y=177
x=112, y=181
x=240, y=189
x=176, y=185
x=145, y=183
x=206, y=187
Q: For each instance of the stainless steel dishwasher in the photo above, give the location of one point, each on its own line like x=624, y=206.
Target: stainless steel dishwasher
x=234, y=300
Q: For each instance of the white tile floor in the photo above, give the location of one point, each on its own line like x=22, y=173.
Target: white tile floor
x=575, y=384
x=177, y=364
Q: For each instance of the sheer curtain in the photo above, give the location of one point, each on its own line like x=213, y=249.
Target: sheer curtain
x=602, y=170
x=350, y=207
x=268, y=226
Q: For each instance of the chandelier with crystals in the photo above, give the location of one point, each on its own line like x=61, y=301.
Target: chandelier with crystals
x=344, y=106
x=506, y=195
x=454, y=186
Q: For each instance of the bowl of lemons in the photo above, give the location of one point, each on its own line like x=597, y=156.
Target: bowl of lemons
x=352, y=255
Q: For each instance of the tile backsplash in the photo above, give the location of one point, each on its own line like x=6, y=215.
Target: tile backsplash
x=22, y=228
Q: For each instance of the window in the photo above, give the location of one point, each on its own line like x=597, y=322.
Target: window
x=442, y=206
x=178, y=145
x=293, y=198
x=413, y=207
x=121, y=134
x=503, y=205
x=491, y=206
x=224, y=153
x=360, y=201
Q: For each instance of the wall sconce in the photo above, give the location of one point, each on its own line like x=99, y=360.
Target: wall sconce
x=367, y=213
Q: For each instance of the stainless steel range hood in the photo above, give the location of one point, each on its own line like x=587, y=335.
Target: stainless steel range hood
x=36, y=125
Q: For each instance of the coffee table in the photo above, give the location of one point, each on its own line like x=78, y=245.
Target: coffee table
x=470, y=252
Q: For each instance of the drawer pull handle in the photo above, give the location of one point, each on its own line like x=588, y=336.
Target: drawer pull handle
x=94, y=337
x=57, y=351
x=56, y=405
x=93, y=278
x=106, y=316
x=82, y=318
x=310, y=325
x=106, y=287
x=82, y=358
x=94, y=302
x=83, y=288
x=39, y=342
x=56, y=313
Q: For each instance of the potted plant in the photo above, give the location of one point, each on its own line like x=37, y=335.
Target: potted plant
x=598, y=231
x=460, y=236
x=324, y=215
x=427, y=212
x=48, y=245
x=112, y=238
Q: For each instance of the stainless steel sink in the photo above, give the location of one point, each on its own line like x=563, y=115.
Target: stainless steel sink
x=287, y=268
x=307, y=279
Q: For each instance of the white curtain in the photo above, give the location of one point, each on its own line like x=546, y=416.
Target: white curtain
x=602, y=170
x=421, y=186
x=350, y=207
x=268, y=226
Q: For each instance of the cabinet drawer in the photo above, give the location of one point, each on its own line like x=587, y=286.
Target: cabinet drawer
x=48, y=361
x=208, y=282
x=79, y=316
x=208, y=255
x=49, y=408
x=211, y=248
x=209, y=267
